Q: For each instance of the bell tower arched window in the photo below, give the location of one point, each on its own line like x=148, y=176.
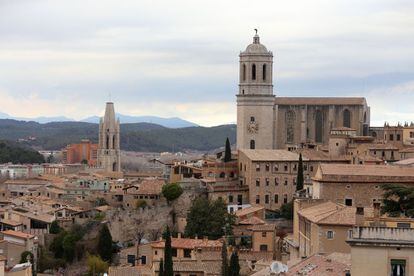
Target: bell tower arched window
x=264, y=71
x=244, y=72
x=252, y=144
x=254, y=72
x=347, y=118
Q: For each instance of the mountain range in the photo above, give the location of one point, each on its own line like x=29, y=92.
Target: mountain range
x=145, y=137
x=173, y=122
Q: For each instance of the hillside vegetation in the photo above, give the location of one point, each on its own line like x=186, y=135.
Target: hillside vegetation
x=134, y=137
x=10, y=152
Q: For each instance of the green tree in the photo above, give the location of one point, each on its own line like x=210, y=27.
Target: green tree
x=234, y=269
x=209, y=219
x=227, y=152
x=57, y=245
x=105, y=243
x=398, y=200
x=84, y=162
x=172, y=191
x=299, y=178
x=26, y=256
x=69, y=245
x=55, y=228
x=224, y=260
x=161, y=269
x=286, y=210
x=168, y=265
x=96, y=265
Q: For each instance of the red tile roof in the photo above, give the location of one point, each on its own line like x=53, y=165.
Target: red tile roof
x=17, y=234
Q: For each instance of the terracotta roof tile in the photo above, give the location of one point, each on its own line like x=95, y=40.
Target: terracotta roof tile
x=248, y=210
x=17, y=234
x=270, y=155
x=319, y=265
x=252, y=221
x=330, y=213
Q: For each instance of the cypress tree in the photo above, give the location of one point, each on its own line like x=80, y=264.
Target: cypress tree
x=227, y=152
x=168, y=265
x=224, y=261
x=161, y=273
x=299, y=179
x=105, y=243
x=234, y=265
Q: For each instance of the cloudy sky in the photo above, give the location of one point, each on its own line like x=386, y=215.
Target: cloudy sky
x=180, y=58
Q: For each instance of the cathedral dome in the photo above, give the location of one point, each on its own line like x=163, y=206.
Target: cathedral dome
x=256, y=47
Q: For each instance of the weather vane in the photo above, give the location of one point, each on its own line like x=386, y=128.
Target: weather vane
x=255, y=31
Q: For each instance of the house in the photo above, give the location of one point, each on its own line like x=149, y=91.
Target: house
x=14, y=243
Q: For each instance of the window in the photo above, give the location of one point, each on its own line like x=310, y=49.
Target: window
x=263, y=247
x=398, y=137
x=348, y=201
x=230, y=198
x=174, y=252
x=252, y=119
x=311, y=168
x=318, y=126
x=254, y=72
x=330, y=235
x=143, y=260
x=267, y=167
x=252, y=144
x=286, y=168
x=257, y=199
x=411, y=134
x=264, y=234
x=347, y=118
x=276, y=168
x=244, y=72
x=267, y=181
x=290, y=118
x=276, y=181
x=286, y=181
x=264, y=71
x=350, y=233
x=257, y=167
x=187, y=253
x=258, y=182
x=285, y=199
x=391, y=137
x=398, y=267
x=276, y=198
x=267, y=199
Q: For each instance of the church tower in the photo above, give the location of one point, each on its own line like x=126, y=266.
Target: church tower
x=109, y=154
x=255, y=100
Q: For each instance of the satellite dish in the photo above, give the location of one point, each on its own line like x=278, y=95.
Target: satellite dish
x=278, y=267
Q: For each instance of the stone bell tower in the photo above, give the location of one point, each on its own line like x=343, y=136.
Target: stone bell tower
x=109, y=153
x=255, y=100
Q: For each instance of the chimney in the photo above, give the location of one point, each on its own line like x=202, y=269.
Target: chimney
x=179, y=235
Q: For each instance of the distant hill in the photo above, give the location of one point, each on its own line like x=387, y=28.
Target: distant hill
x=134, y=137
x=18, y=154
x=173, y=122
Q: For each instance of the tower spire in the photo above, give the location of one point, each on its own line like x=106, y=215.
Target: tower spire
x=256, y=38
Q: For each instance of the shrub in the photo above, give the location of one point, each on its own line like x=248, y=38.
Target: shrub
x=172, y=191
x=140, y=203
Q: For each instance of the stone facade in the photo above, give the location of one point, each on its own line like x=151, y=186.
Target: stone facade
x=109, y=153
x=265, y=121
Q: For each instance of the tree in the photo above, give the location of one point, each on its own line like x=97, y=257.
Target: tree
x=168, y=265
x=398, y=200
x=227, y=152
x=105, y=243
x=209, y=219
x=224, y=260
x=26, y=256
x=286, y=210
x=96, y=265
x=234, y=269
x=54, y=228
x=69, y=245
x=172, y=191
x=100, y=201
x=57, y=245
x=299, y=179
x=161, y=272
x=84, y=162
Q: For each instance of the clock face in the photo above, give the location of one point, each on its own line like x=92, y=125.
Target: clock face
x=253, y=127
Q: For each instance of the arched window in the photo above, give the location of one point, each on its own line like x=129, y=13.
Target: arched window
x=254, y=72
x=347, y=118
x=318, y=126
x=264, y=71
x=244, y=72
x=252, y=144
x=107, y=141
x=113, y=142
x=114, y=167
x=290, y=118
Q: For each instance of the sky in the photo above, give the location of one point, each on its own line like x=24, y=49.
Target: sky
x=179, y=58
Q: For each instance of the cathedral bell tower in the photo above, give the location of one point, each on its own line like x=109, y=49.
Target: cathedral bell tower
x=255, y=100
x=109, y=153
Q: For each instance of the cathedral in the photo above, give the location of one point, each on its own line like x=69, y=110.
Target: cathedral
x=265, y=121
x=109, y=153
